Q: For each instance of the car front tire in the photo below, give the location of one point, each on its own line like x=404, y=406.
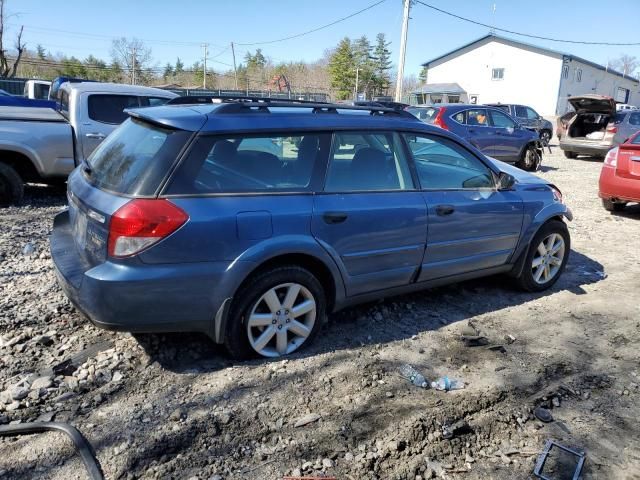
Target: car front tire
x=277, y=312
x=530, y=160
x=11, y=186
x=546, y=258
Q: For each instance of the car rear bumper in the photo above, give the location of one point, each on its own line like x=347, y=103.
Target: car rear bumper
x=614, y=187
x=138, y=297
x=585, y=147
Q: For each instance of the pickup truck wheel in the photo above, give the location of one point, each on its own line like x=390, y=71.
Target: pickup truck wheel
x=277, y=312
x=11, y=186
x=568, y=154
x=612, y=206
x=546, y=258
x=530, y=159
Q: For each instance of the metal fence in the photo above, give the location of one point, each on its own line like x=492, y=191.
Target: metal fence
x=14, y=86
x=312, y=96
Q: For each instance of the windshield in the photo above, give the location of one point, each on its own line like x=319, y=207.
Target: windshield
x=135, y=158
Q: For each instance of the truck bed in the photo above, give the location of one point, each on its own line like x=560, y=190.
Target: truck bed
x=30, y=114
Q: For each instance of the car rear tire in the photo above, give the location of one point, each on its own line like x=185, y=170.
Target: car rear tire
x=11, y=186
x=568, y=154
x=277, y=312
x=612, y=206
x=530, y=160
x=546, y=258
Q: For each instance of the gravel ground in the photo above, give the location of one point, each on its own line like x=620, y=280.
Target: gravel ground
x=174, y=406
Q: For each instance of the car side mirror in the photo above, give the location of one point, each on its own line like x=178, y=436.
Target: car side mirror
x=505, y=182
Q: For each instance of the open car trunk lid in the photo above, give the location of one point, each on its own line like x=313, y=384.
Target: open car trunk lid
x=593, y=104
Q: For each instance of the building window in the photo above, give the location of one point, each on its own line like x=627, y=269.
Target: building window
x=453, y=98
x=579, y=75
x=497, y=74
x=436, y=98
x=565, y=71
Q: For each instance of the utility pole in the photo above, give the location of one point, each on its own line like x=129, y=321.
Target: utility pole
x=235, y=70
x=204, y=78
x=403, y=50
x=133, y=70
x=355, y=92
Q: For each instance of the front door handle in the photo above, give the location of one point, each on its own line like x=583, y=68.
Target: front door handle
x=334, y=217
x=97, y=136
x=443, y=210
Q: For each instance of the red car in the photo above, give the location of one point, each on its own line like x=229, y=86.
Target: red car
x=620, y=175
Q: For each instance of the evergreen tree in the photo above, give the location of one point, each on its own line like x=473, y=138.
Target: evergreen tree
x=179, y=68
x=364, y=62
x=40, y=51
x=422, y=76
x=168, y=71
x=382, y=64
x=341, y=69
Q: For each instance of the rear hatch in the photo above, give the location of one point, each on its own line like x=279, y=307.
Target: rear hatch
x=132, y=162
x=593, y=104
x=629, y=159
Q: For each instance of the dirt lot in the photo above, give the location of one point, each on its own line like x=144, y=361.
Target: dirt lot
x=176, y=407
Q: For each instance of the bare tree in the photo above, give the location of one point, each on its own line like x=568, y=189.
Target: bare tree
x=7, y=70
x=626, y=64
x=134, y=57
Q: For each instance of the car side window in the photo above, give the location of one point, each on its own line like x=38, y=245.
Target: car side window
x=521, y=112
x=532, y=114
x=365, y=161
x=250, y=163
x=442, y=164
x=110, y=108
x=153, y=101
x=459, y=117
x=500, y=120
x=634, y=118
x=477, y=117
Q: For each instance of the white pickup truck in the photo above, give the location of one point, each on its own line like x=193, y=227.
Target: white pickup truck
x=42, y=145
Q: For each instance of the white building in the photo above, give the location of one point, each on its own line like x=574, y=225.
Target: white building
x=497, y=69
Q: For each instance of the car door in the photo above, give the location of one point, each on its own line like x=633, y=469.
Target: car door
x=478, y=130
x=370, y=217
x=103, y=114
x=472, y=225
x=523, y=117
x=508, y=134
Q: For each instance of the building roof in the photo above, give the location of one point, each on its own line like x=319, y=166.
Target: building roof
x=546, y=51
x=442, y=88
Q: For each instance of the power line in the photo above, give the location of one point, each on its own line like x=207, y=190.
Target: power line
x=298, y=35
x=581, y=42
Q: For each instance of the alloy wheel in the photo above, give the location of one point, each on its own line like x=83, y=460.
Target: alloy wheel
x=281, y=320
x=545, y=137
x=548, y=258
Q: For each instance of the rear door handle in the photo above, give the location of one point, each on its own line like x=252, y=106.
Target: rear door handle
x=98, y=136
x=334, y=217
x=443, y=210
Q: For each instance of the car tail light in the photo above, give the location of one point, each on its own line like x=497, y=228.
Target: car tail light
x=612, y=129
x=439, y=120
x=557, y=194
x=141, y=223
x=612, y=157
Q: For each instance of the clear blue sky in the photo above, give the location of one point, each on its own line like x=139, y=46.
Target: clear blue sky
x=173, y=28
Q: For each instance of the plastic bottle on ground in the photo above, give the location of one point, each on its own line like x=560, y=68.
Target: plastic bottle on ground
x=415, y=377
x=446, y=384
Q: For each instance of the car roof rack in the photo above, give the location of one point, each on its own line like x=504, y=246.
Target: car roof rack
x=244, y=104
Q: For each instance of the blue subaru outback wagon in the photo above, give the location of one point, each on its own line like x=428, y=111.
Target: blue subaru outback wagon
x=252, y=220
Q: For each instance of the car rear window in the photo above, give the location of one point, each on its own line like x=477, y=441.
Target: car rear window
x=110, y=108
x=250, y=163
x=135, y=158
x=426, y=114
